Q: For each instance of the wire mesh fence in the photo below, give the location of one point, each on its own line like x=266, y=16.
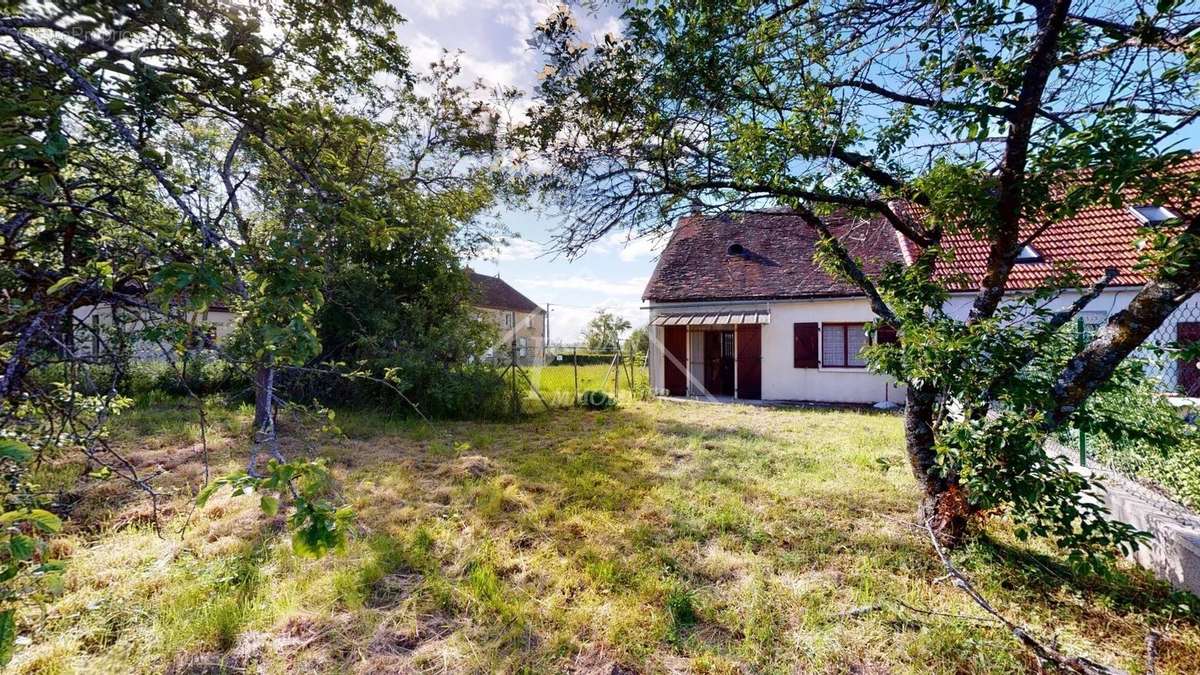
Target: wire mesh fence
x=562, y=376
x=1169, y=359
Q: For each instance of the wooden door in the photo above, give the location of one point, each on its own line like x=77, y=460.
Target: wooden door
x=749, y=362
x=712, y=362
x=727, y=356
x=1188, y=332
x=675, y=359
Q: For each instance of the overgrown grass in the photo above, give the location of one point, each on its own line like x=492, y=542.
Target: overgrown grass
x=658, y=537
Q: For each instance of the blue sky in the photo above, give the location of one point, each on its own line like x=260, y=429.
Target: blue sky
x=492, y=35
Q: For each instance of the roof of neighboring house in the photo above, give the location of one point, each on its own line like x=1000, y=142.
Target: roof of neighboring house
x=775, y=259
x=495, y=293
x=779, y=247
x=1087, y=243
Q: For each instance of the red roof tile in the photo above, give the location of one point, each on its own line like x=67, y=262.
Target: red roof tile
x=1088, y=243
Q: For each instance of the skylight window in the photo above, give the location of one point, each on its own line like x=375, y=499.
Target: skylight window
x=1028, y=254
x=1153, y=214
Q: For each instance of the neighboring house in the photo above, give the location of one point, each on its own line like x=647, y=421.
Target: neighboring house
x=740, y=310
x=96, y=331
x=521, y=322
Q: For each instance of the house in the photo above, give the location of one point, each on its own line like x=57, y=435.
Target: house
x=99, y=329
x=521, y=322
x=739, y=309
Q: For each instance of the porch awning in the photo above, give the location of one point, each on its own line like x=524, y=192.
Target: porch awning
x=759, y=316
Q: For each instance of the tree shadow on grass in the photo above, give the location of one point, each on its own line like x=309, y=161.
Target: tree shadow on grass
x=1123, y=589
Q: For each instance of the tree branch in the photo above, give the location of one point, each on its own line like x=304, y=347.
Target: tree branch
x=1004, y=249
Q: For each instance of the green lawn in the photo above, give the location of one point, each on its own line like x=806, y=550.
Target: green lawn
x=658, y=537
x=557, y=383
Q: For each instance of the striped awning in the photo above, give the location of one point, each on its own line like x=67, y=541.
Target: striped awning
x=759, y=316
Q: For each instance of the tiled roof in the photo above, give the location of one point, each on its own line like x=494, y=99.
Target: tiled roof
x=775, y=261
x=1088, y=243
x=778, y=263
x=495, y=293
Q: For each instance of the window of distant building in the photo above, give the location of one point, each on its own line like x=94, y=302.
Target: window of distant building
x=1028, y=254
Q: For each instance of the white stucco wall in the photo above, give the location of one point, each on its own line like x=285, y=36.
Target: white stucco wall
x=780, y=379
x=1108, y=303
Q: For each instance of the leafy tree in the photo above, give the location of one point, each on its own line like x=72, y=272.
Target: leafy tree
x=603, y=332
x=639, y=339
x=156, y=158
x=987, y=118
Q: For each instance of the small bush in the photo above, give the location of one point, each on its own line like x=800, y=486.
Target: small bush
x=596, y=400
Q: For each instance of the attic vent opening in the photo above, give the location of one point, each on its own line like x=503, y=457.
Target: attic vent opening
x=735, y=249
x=1153, y=214
x=1028, y=254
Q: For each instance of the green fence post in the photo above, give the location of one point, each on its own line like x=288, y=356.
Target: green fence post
x=1080, y=342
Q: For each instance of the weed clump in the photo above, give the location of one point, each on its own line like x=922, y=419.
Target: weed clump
x=597, y=400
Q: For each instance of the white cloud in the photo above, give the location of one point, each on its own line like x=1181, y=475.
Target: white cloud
x=438, y=9
x=630, y=289
x=631, y=249
x=424, y=50
x=512, y=249
x=567, y=322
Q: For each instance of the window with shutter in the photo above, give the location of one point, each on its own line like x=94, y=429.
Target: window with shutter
x=804, y=345
x=856, y=339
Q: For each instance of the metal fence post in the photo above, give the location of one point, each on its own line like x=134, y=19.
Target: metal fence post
x=575, y=370
x=617, y=374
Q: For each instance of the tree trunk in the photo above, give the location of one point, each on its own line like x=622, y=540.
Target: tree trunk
x=263, y=409
x=943, y=505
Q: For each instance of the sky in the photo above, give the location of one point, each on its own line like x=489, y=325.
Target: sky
x=493, y=35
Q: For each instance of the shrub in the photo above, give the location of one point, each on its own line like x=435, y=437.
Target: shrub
x=201, y=374
x=596, y=400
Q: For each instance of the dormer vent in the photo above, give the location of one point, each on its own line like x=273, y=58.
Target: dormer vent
x=1028, y=254
x=736, y=249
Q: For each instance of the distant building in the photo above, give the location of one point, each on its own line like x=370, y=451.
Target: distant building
x=521, y=322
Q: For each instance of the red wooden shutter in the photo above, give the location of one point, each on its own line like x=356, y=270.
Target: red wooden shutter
x=804, y=344
x=886, y=335
x=1188, y=375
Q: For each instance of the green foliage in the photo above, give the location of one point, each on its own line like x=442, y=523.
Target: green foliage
x=603, y=332
x=597, y=400
x=318, y=526
x=29, y=575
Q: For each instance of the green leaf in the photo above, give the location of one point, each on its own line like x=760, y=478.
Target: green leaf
x=269, y=504
x=22, y=547
x=61, y=284
x=8, y=635
x=203, y=496
x=14, y=450
x=44, y=520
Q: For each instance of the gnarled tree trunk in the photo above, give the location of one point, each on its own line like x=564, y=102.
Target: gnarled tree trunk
x=944, y=505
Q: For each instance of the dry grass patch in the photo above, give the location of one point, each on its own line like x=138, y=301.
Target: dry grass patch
x=654, y=538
